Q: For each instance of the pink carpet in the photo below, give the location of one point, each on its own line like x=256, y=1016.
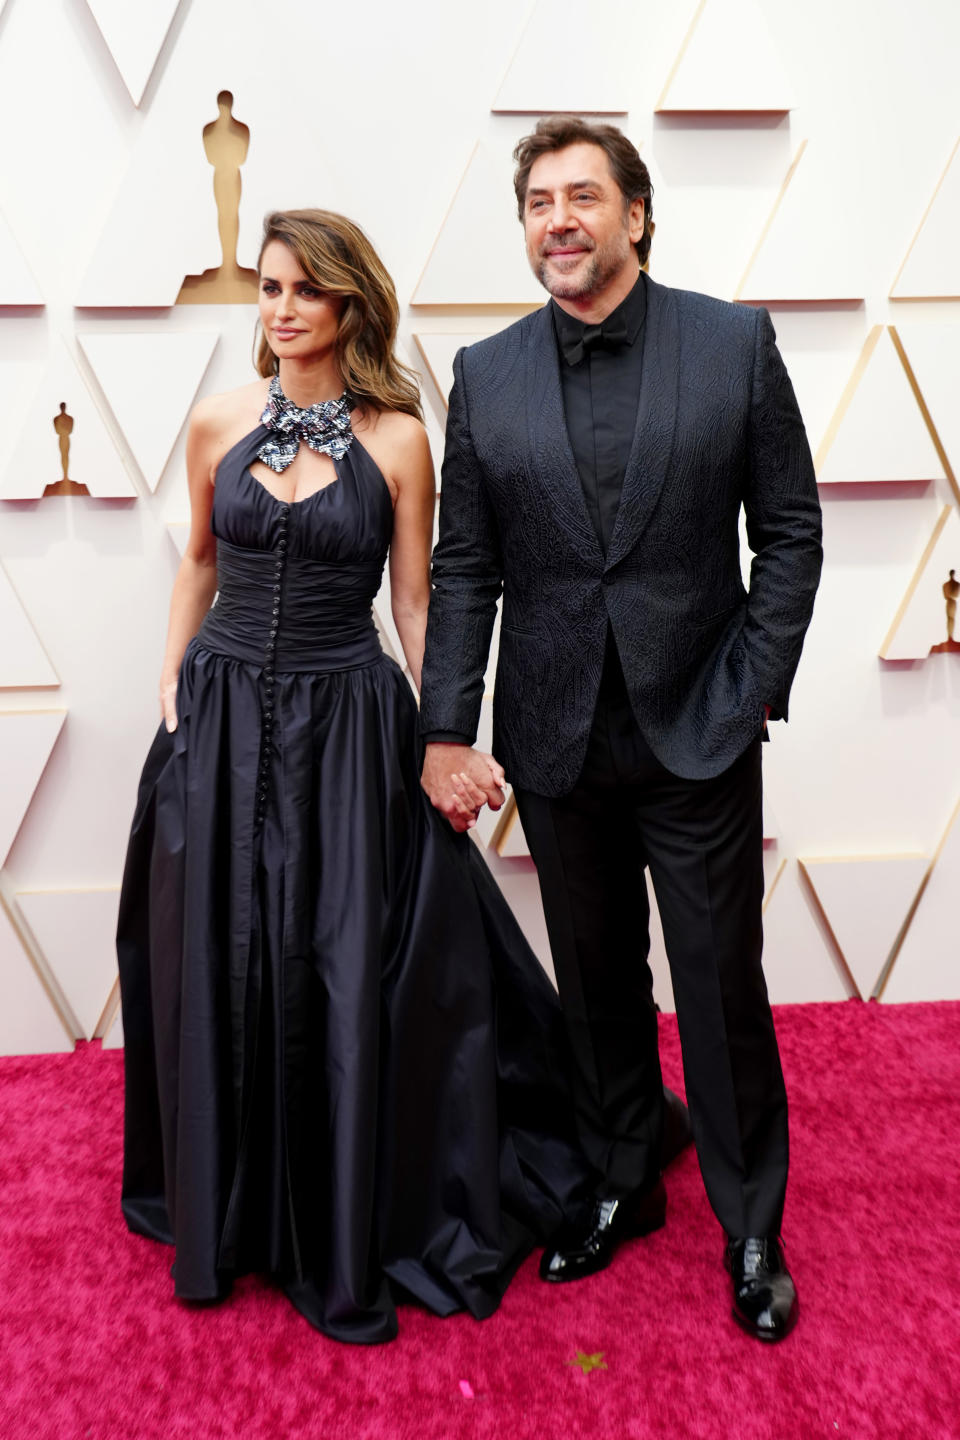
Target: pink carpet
x=93, y=1345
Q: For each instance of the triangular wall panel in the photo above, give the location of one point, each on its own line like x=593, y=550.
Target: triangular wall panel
x=549, y=75
x=134, y=369
x=455, y=273
x=921, y=622
x=927, y=965
x=728, y=63
x=790, y=929
x=931, y=269
x=785, y=265
x=93, y=459
x=24, y=664
x=878, y=431
x=865, y=900
x=134, y=34
x=439, y=350
x=113, y=1035
x=931, y=354
x=75, y=931
x=17, y=285
x=29, y=1022
x=26, y=739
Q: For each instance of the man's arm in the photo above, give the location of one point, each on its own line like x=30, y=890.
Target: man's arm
x=783, y=527
x=466, y=584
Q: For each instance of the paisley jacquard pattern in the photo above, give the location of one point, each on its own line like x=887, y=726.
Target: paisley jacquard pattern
x=718, y=429
x=325, y=427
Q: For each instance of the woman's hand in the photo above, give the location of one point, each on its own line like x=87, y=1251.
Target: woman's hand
x=168, y=703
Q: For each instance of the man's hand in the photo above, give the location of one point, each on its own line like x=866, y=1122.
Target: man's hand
x=460, y=781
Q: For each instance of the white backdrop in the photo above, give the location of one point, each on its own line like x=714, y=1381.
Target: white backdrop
x=802, y=156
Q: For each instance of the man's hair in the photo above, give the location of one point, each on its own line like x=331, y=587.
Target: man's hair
x=557, y=132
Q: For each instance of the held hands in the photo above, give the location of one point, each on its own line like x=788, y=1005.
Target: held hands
x=460, y=780
x=168, y=703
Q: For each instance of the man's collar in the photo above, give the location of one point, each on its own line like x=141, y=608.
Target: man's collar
x=623, y=324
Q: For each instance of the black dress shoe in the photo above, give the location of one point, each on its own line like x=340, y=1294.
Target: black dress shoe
x=677, y=1133
x=584, y=1250
x=764, y=1295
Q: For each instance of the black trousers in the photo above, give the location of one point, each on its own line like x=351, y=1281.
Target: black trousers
x=702, y=841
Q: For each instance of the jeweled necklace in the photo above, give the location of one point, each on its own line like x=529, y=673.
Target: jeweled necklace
x=325, y=427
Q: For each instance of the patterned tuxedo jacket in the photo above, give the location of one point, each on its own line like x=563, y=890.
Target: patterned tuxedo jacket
x=717, y=428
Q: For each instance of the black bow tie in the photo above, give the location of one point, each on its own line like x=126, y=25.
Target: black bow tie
x=606, y=336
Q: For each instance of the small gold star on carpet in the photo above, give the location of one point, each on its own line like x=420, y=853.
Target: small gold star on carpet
x=589, y=1362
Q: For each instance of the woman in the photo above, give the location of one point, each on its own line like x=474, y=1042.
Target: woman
x=343, y=1064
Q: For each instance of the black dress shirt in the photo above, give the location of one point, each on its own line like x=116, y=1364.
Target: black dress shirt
x=601, y=393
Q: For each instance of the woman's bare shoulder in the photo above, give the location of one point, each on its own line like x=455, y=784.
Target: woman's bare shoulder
x=217, y=413
x=398, y=432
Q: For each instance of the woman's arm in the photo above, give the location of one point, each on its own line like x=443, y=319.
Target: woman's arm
x=411, y=471
x=196, y=582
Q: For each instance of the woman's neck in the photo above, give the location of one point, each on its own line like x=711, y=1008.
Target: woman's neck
x=309, y=381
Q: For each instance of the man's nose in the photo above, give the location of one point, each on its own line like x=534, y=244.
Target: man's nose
x=562, y=217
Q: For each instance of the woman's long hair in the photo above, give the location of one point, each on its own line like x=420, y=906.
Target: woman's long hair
x=339, y=259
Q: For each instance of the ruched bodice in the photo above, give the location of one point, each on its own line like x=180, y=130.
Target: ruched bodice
x=296, y=580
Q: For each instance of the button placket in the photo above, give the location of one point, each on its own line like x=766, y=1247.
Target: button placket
x=269, y=672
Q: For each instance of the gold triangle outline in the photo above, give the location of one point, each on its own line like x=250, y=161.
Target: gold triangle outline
x=768, y=897
x=513, y=57
x=853, y=383
x=50, y=685
x=925, y=411
x=926, y=214
x=418, y=341
x=804, y=862
x=662, y=108
x=915, y=581
x=660, y=105
x=831, y=933
x=443, y=224
x=36, y=960
x=898, y=943
x=738, y=293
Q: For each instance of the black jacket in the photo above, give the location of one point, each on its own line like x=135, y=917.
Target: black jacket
x=717, y=428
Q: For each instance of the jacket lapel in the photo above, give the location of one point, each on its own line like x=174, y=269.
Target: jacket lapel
x=656, y=421
x=552, y=461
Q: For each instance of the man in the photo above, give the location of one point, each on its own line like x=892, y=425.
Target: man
x=598, y=455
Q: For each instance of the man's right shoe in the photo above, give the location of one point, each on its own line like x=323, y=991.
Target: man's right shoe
x=583, y=1251
x=764, y=1295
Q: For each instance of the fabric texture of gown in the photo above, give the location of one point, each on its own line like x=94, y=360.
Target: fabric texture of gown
x=344, y=1065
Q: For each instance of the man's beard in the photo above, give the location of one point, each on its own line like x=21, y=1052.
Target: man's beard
x=600, y=268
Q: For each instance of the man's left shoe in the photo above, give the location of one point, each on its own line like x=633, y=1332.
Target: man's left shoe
x=764, y=1295
x=584, y=1251
x=677, y=1133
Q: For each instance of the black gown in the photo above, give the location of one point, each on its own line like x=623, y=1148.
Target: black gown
x=344, y=1065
